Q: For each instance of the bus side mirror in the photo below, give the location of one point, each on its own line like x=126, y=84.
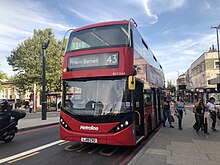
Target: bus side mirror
x=131, y=83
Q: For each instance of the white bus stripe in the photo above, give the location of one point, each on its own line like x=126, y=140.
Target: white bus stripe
x=30, y=151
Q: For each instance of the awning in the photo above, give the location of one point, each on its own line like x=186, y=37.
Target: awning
x=214, y=81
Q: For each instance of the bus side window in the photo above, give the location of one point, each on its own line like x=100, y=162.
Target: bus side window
x=147, y=99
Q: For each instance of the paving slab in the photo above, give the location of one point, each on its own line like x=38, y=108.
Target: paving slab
x=174, y=147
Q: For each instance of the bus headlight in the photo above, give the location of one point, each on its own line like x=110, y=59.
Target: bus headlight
x=121, y=126
x=126, y=123
x=64, y=124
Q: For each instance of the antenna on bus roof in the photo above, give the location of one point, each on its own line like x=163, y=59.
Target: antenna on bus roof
x=133, y=21
x=64, y=40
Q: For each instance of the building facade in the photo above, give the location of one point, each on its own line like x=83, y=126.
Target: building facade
x=8, y=91
x=201, y=71
x=181, y=82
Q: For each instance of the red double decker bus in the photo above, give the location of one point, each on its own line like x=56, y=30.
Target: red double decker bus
x=112, y=85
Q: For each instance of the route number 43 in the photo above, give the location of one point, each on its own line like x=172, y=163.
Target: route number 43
x=113, y=59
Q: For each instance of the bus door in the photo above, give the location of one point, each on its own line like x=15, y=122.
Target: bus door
x=159, y=108
x=155, y=105
x=139, y=109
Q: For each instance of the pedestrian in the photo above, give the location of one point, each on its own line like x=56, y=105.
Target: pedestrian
x=179, y=107
x=59, y=104
x=199, y=110
x=194, y=111
x=167, y=112
x=31, y=106
x=213, y=111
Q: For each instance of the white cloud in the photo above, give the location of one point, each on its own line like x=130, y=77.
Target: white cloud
x=158, y=6
x=153, y=17
x=208, y=5
x=179, y=55
x=100, y=12
x=138, y=9
x=19, y=19
x=155, y=7
x=83, y=16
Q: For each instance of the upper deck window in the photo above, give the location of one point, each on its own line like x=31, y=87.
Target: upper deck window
x=104, y=36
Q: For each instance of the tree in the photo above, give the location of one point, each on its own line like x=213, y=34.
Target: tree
x=26, y=60
x=171, y=87
x=2, y=77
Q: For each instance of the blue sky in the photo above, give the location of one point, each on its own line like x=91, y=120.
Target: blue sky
x=178, y=31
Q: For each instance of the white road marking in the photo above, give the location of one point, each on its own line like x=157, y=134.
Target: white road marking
x=30, y=151
x=63, y=143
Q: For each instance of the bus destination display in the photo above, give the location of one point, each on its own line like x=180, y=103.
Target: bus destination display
x=102, y=60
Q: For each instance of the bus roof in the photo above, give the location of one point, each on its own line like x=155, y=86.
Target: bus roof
x=101, y=24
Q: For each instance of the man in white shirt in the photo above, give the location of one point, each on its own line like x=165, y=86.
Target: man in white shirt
x=213, y=111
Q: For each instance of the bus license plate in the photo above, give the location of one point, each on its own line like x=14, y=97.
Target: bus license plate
x=89, y=140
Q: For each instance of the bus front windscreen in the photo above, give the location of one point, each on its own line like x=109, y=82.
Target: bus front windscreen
x=96, y=97
x=99, y=37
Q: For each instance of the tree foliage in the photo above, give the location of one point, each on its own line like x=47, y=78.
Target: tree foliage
x=2, y=77
x=26, y=60
x=170, y=86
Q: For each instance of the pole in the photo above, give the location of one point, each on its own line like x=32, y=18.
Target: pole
x=218, y=47
x=34, y=97
x=177, y=82
x=218, y=83
x=44, y=101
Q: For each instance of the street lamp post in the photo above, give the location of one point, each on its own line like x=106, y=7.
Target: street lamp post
x=217, y=27
x=177, y=82
x=44, y=99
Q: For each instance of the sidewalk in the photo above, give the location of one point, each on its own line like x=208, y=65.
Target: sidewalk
x=33, y=120
x=172, y=146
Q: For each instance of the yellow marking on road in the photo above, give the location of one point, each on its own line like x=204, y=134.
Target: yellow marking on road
x=88, y=146
x=27, y=156
x=94, y=150
x=68, y=148
x=139, y=139
x=63, y=143
x=110, y=153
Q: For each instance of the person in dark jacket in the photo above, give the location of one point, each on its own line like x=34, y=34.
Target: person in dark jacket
x=199, y=110
x=167, y=112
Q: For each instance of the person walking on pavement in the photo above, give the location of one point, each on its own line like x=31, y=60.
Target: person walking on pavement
x=179, y=107
x=194, y=111
x=199, y=110
x=31, y=104
x=167, y=111
x=213, y=111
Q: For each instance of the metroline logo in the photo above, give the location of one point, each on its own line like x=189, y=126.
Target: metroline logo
x=92, y=128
